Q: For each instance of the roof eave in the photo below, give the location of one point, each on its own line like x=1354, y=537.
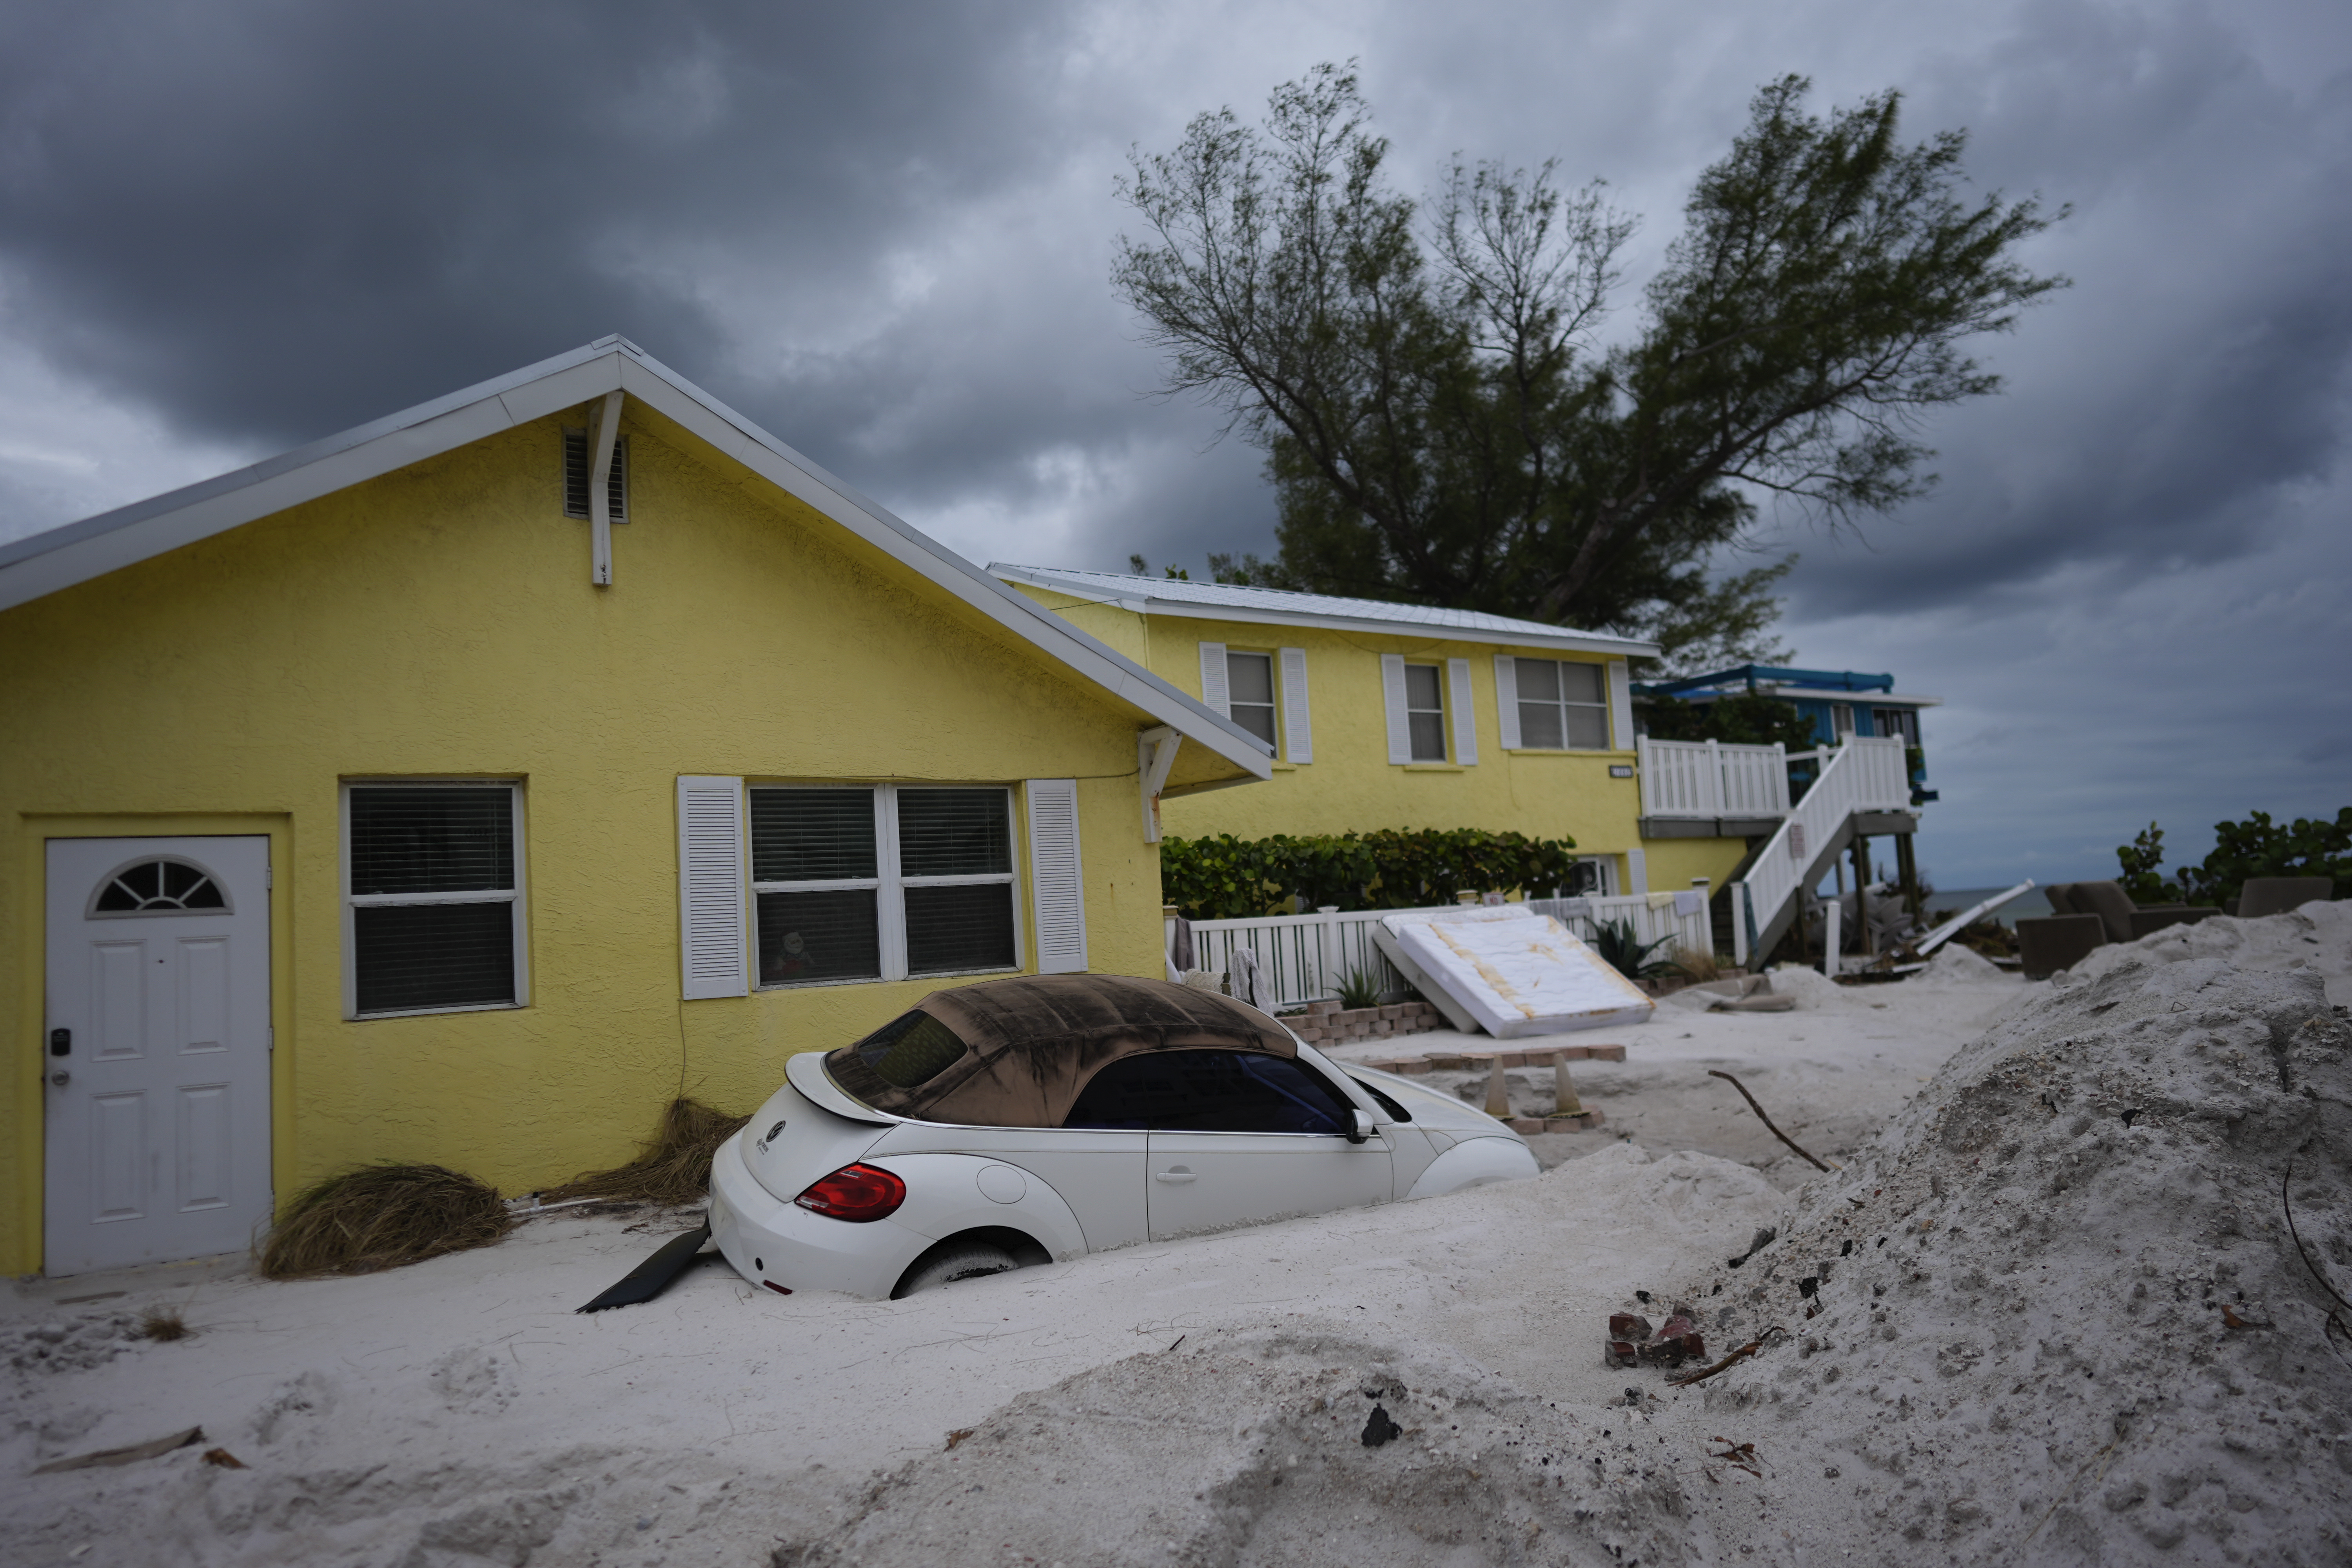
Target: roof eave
x=1563, y=641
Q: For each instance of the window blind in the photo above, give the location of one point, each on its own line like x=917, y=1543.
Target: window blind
x=433, y=903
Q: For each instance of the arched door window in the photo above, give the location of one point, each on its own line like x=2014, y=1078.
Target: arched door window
x=161, y=885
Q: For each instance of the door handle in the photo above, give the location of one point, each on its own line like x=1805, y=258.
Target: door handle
x=62, y=1078
x=1175, y=1177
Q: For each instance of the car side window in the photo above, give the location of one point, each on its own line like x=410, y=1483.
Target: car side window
x=1209, y=1091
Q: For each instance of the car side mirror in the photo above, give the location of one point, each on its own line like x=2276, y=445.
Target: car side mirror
x=1359, y=1127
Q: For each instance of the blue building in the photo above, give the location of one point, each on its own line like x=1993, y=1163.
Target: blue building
x=1839, y=702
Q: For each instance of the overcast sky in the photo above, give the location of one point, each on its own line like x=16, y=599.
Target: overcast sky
x=886, y=232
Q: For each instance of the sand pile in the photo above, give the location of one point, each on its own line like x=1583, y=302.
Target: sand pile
x=1240, y=1450
x=2054, y=1313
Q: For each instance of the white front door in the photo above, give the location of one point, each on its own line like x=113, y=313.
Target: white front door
x=156, y=1049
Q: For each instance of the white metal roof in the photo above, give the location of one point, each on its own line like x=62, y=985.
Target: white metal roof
x=73, y=552
x=1231, y=602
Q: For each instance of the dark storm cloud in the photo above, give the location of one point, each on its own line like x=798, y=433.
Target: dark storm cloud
x=2199, y=368
x=272, y=221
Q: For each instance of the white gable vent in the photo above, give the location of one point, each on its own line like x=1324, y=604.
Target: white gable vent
x=575, y=476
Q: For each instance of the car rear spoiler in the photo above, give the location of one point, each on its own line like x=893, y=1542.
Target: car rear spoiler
x=804, y=1071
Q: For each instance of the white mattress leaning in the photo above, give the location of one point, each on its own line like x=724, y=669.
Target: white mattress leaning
x=1517, y=972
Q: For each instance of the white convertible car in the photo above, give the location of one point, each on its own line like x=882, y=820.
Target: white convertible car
x=1032, y=1119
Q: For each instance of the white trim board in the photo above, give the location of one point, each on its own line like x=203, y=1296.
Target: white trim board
x=1531, y=636
x=75, y=552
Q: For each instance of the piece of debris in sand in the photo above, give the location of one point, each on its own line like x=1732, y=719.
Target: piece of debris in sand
x=221, y=1459
x=1742, y=1354
x=1379, y=1428
x=656, y=1274
x=1766, y=1121
x=1676, y=1341
x=130, y=1454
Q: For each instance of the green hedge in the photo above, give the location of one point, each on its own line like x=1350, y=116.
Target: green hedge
x=1227, y=877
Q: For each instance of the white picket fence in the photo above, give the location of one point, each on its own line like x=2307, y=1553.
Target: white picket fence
x=1707, y=778
x=1865, y=773
x=1306, y=957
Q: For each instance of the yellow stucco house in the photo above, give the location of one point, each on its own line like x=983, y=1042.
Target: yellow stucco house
x=1388, y=715
x=462, y=787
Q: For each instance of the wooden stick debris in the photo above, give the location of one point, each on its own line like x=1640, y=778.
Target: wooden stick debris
x=1742, y=1354
x=1766, y=1121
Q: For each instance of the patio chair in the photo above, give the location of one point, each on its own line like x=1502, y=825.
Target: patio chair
x=2120, y=918
x=2276, y=895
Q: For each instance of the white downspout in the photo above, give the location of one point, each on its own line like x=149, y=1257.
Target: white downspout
x=600, y=480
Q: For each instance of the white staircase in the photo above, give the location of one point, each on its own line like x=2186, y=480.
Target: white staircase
x=1861, y=776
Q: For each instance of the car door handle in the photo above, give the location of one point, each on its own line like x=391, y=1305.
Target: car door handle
x=1175, y=1176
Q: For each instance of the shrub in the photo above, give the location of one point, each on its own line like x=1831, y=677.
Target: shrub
x=2309, y=847
x=1627, y=953
x=1227, y=877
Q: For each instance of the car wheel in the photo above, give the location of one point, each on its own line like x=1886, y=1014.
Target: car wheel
x=963, y=1260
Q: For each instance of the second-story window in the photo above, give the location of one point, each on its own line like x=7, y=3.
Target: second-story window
x=1249, y=685
x=1424, y=710
x=1563, y=706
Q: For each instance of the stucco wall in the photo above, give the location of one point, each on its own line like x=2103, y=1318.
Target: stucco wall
x=439, y=621
x=1351, y=784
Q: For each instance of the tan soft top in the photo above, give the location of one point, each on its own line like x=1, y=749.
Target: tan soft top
x=1030, y=1043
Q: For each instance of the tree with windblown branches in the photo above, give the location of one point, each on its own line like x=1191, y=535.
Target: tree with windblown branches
x=1441, y=417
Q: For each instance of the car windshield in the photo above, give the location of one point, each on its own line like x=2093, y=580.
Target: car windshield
x=1209, y=1091
x=911, y=1048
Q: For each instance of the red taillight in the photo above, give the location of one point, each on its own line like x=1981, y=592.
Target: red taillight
x=855, y=1193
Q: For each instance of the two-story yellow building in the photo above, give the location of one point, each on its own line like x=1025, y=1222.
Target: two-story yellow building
x=1378, y=715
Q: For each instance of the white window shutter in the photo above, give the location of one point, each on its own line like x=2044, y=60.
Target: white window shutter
x=1056, y=876
x=1637, y=872
x=1216, y=689
x=1393, y=699
x=1466, y=719
x=1506, y=700
x=1297, y=729
x=713, y=951
x=1621, y=706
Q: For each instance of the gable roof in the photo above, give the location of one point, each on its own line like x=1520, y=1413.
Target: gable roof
x=1280, y=606
x=73, y=552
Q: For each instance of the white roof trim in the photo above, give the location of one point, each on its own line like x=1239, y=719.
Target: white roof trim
x=1094, y=587
x=76, y=553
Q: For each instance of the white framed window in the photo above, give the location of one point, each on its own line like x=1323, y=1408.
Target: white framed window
x=1900, y=722
x=864, y=882
x=433, y=897
x=1591, y=876
x=1842, y=719
x=1424, y=711
x=1562, y=706
x=1249, y=692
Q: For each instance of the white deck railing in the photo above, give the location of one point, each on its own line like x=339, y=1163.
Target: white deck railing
x=1707, y=778
x=1867, y=774
x=1306, y=957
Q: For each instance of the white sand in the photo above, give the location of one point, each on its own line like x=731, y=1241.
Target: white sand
x=459, y=1413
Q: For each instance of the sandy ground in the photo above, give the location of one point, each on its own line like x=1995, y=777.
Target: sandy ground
x=1193, y=1402
x=1830, y=1074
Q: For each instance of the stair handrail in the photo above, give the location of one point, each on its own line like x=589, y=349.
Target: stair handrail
x=1855, y=777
